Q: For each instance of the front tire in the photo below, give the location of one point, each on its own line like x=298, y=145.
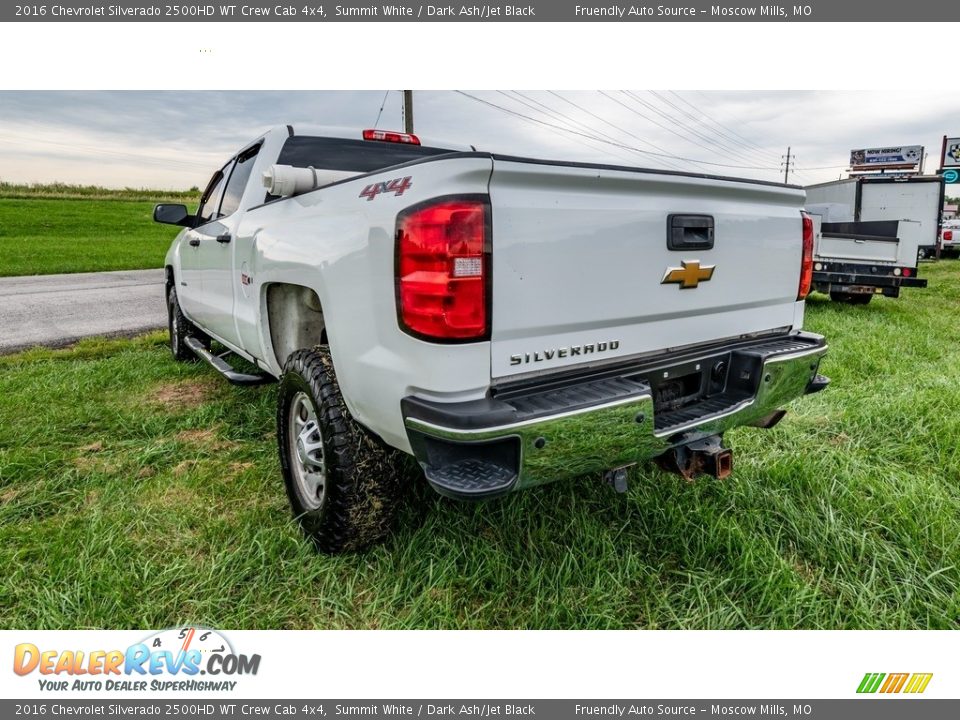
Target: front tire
x=344, y=487
x=180, y=328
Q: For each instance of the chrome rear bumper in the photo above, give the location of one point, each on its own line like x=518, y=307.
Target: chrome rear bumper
x=558, y=429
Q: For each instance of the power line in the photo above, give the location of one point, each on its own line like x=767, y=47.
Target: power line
x=828, y=167
x=725, y=127
x=578, y=123
x=724, y=149
x=698, y=118
x=616, y=144
x=664, y=127
x=552, y=113
x=590, y=140
x=731, y=134
x=678, y=122
x=383, y=104
x=617, y=128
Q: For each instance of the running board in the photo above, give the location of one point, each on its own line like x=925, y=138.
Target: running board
x=223, y=367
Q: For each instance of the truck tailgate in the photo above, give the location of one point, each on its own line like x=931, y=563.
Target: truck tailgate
x=857, y=250
x=580, y=260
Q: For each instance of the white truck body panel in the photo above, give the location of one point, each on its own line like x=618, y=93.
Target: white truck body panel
x=579, y=256
x=915, y=204
x=834, y=201
x=334, y=242
x=579, y=253
x=865, y=251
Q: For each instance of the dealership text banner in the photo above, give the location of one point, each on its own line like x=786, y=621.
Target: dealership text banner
x=536, y=11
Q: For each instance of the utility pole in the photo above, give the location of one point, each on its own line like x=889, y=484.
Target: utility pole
x=408, y=111
x=786, y=169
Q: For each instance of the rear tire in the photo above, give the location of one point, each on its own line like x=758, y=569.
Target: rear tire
x=180, y=328
x=851, y=298
x=344, y=487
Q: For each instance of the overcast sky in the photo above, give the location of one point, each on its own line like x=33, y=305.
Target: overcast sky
x=177, y=139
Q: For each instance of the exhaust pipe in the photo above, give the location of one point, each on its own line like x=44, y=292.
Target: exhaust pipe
x=700, y=457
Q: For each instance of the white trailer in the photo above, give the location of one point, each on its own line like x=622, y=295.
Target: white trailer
x=873, y=231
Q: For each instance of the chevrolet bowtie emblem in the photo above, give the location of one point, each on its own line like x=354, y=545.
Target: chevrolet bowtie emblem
x=689, y=275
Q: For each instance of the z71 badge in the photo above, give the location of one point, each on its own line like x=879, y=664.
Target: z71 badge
x=397, y=186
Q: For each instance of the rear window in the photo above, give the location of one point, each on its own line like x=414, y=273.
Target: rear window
x=361, y=156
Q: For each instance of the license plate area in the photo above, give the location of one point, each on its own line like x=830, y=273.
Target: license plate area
x=679, y=386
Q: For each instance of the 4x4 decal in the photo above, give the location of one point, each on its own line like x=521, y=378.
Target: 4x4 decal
x=397, y=186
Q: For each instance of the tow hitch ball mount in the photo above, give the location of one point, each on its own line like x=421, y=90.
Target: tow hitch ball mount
x=706, y=456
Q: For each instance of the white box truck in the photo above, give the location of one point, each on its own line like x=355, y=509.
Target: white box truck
x=873, y=231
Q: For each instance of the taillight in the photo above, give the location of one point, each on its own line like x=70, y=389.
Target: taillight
x=443, y=269
x=806, y=262
x=390, y=136
x=948, y=234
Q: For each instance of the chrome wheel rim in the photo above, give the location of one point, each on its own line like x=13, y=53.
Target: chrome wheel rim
x=308, y=461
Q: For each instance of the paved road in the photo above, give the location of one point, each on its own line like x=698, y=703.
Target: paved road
x=55, y=310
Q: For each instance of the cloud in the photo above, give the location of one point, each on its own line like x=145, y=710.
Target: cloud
x=176, y=139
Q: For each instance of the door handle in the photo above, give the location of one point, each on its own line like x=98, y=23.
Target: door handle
x=225, y=238
x=194, y=242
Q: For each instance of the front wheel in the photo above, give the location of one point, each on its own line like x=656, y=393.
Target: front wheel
x=344, y=487
x=180, y=328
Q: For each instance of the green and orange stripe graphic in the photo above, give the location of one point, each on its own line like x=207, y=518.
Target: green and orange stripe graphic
x=894, y=682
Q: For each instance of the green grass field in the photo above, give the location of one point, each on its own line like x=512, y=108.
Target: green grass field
x=137, y=492
x=60, y=228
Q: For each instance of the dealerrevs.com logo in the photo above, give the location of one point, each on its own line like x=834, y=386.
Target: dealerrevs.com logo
x=168, y=660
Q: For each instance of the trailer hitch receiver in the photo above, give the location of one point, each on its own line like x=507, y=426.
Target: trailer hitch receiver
x=706, y=456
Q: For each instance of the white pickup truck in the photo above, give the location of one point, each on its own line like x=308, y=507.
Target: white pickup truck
x=506, y=321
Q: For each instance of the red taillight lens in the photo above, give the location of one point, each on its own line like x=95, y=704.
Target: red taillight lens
x=443, y=270
x=806, y=262
x=390, y=136
x=907, y=272
x=948, y=234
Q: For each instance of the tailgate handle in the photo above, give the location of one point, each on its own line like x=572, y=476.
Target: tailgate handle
x=689, y=232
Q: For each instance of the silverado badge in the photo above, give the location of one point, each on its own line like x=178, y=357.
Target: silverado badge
x=689, y=275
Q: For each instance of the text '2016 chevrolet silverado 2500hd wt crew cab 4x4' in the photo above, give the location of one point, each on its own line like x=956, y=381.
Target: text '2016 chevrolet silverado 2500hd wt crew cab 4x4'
x=506, y=321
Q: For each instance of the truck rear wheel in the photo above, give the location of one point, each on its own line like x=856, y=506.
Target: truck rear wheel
x=344, y=487
x=851, y=298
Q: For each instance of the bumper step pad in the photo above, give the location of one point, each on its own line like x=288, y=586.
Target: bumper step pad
x=567, y=399
x=713, y=407
x=471, y=479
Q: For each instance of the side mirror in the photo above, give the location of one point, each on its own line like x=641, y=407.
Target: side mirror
x=172, y=215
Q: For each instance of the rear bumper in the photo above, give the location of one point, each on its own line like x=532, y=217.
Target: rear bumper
x=607, y=418
x=860, y=277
